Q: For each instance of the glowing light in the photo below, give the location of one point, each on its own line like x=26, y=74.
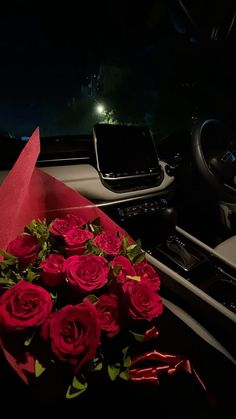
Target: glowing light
x=100, y=109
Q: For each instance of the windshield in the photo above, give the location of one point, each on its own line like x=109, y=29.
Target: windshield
x=68, y=66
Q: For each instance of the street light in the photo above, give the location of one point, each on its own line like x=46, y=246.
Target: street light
x=100, y=109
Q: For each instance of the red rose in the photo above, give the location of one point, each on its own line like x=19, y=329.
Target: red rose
x=76, y=239
x=74, y=333
x=109, y=242
x=24, y=305
x=146, y=271
x=86, y=272
x=53, y=270
x=142, y=302
x=25, y=248
x=125, y=268
x=61, y=226
x=108, y=308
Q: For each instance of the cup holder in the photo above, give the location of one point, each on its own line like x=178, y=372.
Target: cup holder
x=224, y=291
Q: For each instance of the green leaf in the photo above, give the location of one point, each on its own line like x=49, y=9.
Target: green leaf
x=97, y=363
x=139, y=258
x=31, y=275
x=117, y=365
x=113, y=372
x=138, y=337
x=92, y=298
x=39, y=229
x=29, y=340
x=134, y=250
x=131, y=247
x=53, y=297
x=124, y=374
x=116, y=270
x=125, y=351
x=127, y=362
x=45, y=250
x=77, y=384
x=134, y=277
x=7, y=255
x=7, y=282
x=92, y=249
x=76, y=388
x=38, y=368
x=124, y=244
x=98, y=367
x=8, y=262
x=136, y=245
x=126, y=358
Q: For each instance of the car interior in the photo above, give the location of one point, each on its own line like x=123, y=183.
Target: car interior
x=179, y=201
x=168, y=176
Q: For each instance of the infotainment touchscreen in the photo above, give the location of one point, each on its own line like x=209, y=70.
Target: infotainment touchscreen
x=124, y=150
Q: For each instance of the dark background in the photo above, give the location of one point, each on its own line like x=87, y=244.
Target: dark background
x=151, y=62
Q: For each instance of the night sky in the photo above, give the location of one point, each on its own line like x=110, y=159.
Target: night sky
x=140, y=60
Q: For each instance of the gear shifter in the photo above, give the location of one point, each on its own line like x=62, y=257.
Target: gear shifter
x=179, y=253
x=172, y=246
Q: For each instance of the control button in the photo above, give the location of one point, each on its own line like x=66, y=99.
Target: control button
x=164, y=203
x=121, y=212
x=177, y=159
x=111, y=174
x=170, y=171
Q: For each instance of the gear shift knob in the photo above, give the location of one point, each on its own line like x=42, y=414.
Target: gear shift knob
x=167, y=221
x=174, y=248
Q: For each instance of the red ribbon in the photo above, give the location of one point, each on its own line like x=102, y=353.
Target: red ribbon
x=170, y=364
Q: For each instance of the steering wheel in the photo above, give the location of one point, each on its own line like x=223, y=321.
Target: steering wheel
x=214, y=151
x=204, y=22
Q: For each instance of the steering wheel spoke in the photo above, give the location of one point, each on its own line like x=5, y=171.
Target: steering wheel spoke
x=214, y=149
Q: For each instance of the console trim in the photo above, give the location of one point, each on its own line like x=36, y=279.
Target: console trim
x=205, y=247
x=197, y=327
x=192, y=288
x=129, y=177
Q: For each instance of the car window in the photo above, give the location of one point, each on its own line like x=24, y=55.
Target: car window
x=68, y=66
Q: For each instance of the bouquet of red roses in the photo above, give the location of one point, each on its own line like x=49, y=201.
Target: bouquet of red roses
x=70, y=285
x=75, y=287
x=76, y=292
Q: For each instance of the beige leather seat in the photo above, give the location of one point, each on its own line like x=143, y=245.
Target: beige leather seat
x=227, y=249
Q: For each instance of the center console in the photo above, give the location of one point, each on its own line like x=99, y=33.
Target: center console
x=192, y=275
x=154, y=222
